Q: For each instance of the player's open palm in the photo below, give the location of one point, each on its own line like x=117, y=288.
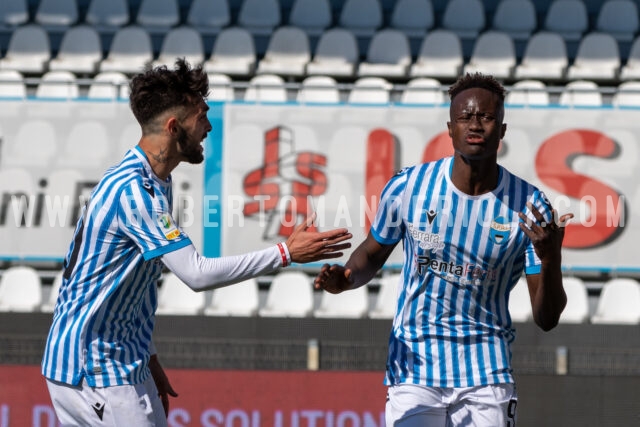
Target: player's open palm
x=309, y=246
x=333, y=279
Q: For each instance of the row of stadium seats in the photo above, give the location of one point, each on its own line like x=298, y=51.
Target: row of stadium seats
x=415, y=17
x=271, y=88
x=290, y=294
x=289, y=54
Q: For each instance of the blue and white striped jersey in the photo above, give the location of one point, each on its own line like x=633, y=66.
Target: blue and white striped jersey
x=104, y=316
x=462, y=256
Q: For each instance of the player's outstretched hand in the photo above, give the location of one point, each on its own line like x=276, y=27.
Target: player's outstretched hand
x=546, y=237
x=309, y=246
x=333, y=279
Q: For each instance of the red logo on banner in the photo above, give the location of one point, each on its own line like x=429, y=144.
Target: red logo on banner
x=281, y=186
x=553, y=164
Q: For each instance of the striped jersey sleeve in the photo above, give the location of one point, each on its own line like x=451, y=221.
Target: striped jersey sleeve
x=540, y=201
x=144, y=215
x=388, y=226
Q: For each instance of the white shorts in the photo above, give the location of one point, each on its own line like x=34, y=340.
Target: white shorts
x=125, y=405
x=411, y=405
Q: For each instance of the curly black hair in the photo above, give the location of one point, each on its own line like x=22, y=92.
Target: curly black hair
x=477, y=80
x=157, y=90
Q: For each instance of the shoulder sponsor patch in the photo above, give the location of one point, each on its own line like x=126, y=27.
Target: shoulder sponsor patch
x=169, y=229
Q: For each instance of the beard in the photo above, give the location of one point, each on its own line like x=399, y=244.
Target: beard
x=189, y=149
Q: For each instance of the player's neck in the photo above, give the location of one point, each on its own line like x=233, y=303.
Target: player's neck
x=160, y=155
x=474, y=177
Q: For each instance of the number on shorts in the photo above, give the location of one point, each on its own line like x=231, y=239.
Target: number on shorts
x=511, y=413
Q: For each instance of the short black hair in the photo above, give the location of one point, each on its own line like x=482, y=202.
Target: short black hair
x=477, y=80
x=159, y=89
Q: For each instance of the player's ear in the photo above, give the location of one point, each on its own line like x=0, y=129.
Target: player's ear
x=171, y=125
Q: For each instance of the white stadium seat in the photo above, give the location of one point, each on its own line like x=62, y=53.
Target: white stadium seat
x=336, y=54
x=287, y=54
x=627, y=95
x=319, y=89
x=233, y=53
x=240, y=299
x=464, y=17
x=619, y=303
x=422, y=90
x=577, y=308
x=221, y=89
x=110, y=85
x=12, y=85
x=56, y=14
x=106, y=16
x=266, y=88
x=413, y=17
x=361, y=17
x=493, y=53
x=13, y=13
x=515, y=17
x=20, y=289
x=28, y=51
x=290, y=295
x=312, y=16
x=545, y=58
x=597, y=59
x=130, y=51
x=520, y=302
x=59, y=85
x=259, y=17
x=387, y=299
x=370, y=90
x=631, y=69
x=80, y=51
x=176, y=298
x=181, y=42
x=389, y=55
x=528, y=93
x=157, y=16
x=440, y=56
x=618, y=18
x=557, y=19
x=209, y=16
x=580, y=93
x=350, y=304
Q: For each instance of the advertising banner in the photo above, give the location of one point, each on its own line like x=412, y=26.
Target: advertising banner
x=283, y=162
x=268, y=167
x=52, y=154
x=225, y=398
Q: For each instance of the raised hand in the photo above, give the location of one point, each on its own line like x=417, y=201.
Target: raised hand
x=309, y=246
x=546, y=237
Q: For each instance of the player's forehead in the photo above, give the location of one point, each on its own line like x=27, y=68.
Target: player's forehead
x=475, y=99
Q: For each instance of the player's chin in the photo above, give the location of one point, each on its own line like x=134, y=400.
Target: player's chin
x=195, y=158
